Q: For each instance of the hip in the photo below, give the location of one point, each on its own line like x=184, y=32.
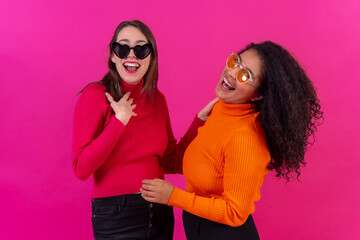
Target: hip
x=130, y=216
x=197, y=228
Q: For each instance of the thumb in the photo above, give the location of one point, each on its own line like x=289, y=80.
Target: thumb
x=109, y=97
x=212, y=102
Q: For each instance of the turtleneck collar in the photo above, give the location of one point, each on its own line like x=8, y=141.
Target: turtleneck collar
x=134, y=89
x=235, y=110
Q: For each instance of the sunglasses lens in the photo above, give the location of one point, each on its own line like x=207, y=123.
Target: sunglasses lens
x=142, y=52
x=232, y=61
x=120, y=50
x=243, y=75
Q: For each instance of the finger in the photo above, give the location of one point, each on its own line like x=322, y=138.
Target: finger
x=109, y=97
x=130, y=101
x=212, y=102
x=133, y=106
x=215, y=100
x=157, y=181
x=126, y=96
x=147, y=198
x=144, y=191
x=148, y=187
x=147, y=194
x=148, y=181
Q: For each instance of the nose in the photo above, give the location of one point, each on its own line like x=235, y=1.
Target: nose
x=131, y=54
x=232, y=72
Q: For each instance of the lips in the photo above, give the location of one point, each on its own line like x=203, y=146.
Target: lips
x=131, y=67
x=227, y=84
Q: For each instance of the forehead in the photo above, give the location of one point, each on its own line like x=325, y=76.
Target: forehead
x=251, y=60
x=131, y=34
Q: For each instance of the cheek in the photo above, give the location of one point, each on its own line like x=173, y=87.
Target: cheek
x=221, y=77
x=118, y=67
x=146, y=64
x=117, y=62
x=114, y=58
x=246, y=92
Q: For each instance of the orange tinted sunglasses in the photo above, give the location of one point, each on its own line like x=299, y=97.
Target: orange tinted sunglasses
x=244, y=74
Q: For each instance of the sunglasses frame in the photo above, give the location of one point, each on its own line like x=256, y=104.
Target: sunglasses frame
x=113, y=44
x=251, y=79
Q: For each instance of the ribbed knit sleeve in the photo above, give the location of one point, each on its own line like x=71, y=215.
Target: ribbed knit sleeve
x=244, y=171
x=94, y=137
x=172, y=160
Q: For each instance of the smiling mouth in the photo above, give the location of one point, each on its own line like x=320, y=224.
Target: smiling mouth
x=131, y=66
x=227, y=85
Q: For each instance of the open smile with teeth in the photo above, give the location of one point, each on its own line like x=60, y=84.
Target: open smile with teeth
x=227, y=85
x=131, y=66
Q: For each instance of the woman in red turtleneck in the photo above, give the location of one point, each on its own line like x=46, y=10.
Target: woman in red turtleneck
x=122, y=134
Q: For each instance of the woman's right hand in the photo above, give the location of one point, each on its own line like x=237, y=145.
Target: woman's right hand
x=123, y=108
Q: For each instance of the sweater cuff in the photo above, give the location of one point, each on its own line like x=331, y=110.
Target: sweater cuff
x=197, y=122
x=181, y=199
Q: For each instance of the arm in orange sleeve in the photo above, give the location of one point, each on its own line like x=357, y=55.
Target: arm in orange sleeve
x=244, y=171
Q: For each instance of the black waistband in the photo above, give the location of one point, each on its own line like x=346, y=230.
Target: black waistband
x=127, y=199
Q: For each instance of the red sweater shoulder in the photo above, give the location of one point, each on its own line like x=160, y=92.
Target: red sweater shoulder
x=92, y=99
x=94, y=90
x=159, y=96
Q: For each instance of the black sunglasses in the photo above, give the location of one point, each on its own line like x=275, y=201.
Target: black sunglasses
x=140, y=51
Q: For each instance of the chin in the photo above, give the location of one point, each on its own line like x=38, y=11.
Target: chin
x=217, y=91
x=220, y=94
x=132, y=81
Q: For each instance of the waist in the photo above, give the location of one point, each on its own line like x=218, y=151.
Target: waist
x=124, y=179
x=129, y=200
x=133, y=199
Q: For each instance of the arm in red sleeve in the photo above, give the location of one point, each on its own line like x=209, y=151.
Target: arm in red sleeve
x=94, y=138
x=173, y=156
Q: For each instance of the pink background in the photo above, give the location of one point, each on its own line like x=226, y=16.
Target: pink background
x=49, y=51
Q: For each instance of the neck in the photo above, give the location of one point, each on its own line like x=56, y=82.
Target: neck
x=135, y=90
x=236, y=109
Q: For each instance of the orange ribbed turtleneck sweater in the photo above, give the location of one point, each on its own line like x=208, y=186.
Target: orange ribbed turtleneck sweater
x=225, y=166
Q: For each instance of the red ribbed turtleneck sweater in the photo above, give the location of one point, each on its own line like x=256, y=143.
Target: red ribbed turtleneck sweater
x=118, y=156
x=225, y=166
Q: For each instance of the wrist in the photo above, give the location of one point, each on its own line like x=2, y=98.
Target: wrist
x=202, y=117
x=122, y=119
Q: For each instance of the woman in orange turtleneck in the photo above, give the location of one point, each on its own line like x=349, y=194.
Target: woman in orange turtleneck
x=267, y=109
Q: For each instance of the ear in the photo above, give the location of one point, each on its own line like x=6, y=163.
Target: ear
x=113, y=58
x=257, y=98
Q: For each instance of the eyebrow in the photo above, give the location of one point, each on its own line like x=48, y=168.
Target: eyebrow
x=128, y=41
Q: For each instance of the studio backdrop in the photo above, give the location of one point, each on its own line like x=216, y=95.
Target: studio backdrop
x=49, y=50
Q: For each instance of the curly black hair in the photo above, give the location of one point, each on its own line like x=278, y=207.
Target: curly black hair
x=289, y=110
